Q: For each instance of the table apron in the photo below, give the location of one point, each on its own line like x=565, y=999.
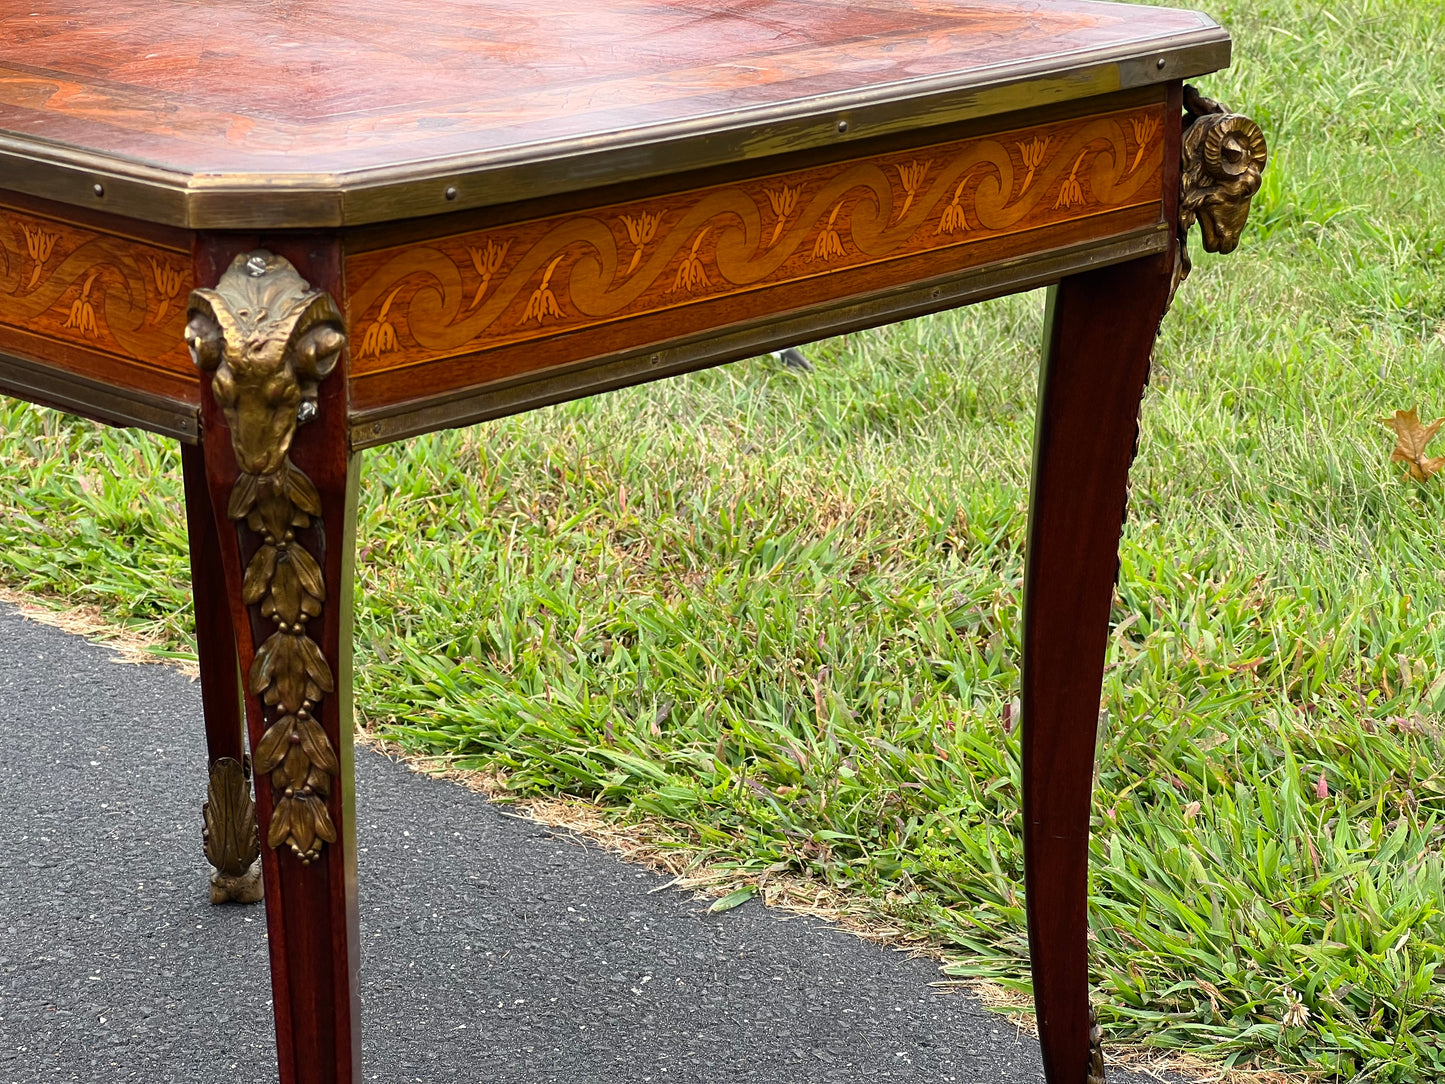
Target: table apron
x=770, y=332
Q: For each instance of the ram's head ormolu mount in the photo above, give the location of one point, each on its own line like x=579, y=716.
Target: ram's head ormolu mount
x=1223, y=160
x=268, y=339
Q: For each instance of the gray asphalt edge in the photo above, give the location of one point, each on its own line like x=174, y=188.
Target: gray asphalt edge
x=493, y=948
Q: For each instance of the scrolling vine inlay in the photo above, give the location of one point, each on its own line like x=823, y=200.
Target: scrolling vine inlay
x=505, y=284
x=100, y=290
x=268, y=339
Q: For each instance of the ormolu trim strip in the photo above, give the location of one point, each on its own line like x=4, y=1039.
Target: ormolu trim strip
x=91, y=399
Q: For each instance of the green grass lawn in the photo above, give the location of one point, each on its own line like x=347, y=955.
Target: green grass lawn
x=781, y=611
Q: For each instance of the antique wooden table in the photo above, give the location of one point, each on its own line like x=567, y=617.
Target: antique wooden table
x=284, y=232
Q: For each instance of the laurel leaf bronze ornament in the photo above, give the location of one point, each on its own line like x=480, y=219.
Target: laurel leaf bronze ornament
x=268, y=340
x=1095, y=1073
x=1223, y=156
x=230, y=834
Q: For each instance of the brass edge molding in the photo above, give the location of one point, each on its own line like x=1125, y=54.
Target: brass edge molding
x=231, y=843
x=268, y=339
x=382, y=194
x=545, y=169
x=1222, y=160
x=72, y=393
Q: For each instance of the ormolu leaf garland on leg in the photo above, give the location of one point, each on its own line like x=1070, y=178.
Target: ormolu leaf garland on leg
x=289, y=671
x=268, y=340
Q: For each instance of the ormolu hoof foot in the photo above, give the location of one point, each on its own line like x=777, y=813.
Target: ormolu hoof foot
x=232, y=847
x=243, y=889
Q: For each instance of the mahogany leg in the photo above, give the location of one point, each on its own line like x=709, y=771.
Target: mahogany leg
x=282, y=485
x=1099, y=334
x=231, y=844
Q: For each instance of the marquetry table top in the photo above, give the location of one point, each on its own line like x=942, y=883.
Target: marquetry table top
x=244, y=114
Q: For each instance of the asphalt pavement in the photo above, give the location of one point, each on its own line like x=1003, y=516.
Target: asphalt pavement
x=493, y=949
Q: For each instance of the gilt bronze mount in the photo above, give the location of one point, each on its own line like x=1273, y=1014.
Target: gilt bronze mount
x=268, y=340
x=231, y=843
x=1223, y=156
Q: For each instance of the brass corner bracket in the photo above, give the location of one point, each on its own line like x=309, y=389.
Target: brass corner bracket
x=1223, y=156
x=268, y=340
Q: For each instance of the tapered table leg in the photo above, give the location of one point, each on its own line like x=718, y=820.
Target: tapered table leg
x=231, y=843
x=271, y=347
x=1099, y=335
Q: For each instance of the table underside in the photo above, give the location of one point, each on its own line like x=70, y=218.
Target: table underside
x=482, y=313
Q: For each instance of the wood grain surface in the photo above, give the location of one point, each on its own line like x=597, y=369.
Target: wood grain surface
x=247, y=86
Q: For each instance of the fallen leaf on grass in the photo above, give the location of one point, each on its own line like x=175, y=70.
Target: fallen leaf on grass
x=1411, y=436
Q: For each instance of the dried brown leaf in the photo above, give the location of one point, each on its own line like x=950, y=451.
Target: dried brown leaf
x=1411, y=437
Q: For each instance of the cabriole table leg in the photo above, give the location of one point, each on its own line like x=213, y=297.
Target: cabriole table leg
x=231, y=843
x=1099, y=340
x=1099, y=335
x=282, y=481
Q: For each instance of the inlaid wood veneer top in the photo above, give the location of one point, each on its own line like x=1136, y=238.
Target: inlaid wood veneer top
x=292, y=112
